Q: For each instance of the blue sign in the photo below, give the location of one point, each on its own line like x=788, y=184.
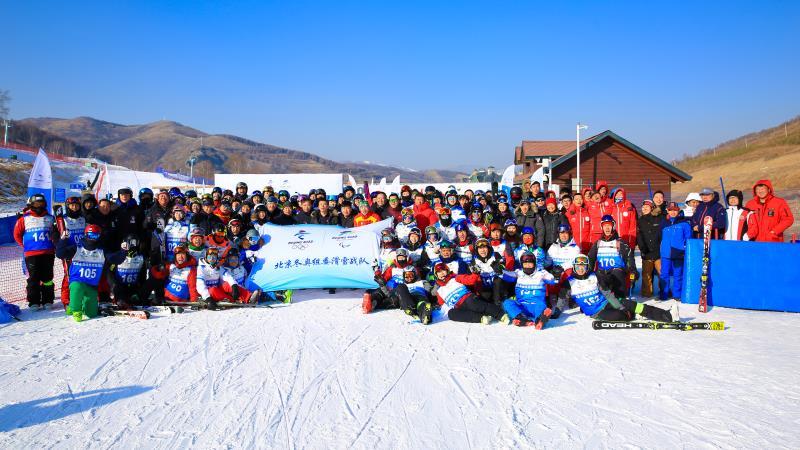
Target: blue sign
x=77, y=186
x=60, y=195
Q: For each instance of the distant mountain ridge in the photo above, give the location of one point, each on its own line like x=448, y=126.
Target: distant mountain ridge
x=171, y=144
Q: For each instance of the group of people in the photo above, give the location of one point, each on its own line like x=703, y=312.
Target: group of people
x=520, y=257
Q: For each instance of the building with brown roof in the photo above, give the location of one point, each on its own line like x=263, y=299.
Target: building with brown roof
x=605, y=156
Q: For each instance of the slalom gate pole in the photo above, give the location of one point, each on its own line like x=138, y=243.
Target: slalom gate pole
x=649, y=189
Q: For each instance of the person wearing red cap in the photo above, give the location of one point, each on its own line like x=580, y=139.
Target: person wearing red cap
x=771, y=215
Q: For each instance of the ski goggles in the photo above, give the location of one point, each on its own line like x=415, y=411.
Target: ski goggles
x=93, y=235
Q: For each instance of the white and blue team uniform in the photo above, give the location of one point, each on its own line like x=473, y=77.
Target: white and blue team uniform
x=563, y=254
x=127, y=272
x=530, y=292
x=415, y=254
x=37, y=233
x=386, y=258
x=608, y=255
x=446, y=232
x=403, y=230
x=543, y=261
x=586, y=294
x=175, y=233
x=87, y=266
x=74, y=227
x=487, y=268
x=455, y=265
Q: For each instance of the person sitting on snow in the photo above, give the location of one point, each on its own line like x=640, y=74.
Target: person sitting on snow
x=393, y=291
x=462, y=305
x=562, y=253
x=600, y=304
x=490, y=266
x=233, y=277
x=613, y=259
x=529, y=307
x=181, y=276
x=127, y=274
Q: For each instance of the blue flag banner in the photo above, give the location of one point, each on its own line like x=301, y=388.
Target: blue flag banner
x=314, y=256
x=41, y=179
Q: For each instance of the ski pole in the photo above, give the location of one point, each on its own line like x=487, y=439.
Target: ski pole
x=649, y=189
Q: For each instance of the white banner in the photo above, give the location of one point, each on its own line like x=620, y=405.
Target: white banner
x=314, y=256
x=295, y=183
x=41, y=179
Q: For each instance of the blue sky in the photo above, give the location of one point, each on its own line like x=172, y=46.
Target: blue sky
x=418, y=84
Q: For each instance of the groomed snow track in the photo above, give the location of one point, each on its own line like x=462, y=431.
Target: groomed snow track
x=319, y=374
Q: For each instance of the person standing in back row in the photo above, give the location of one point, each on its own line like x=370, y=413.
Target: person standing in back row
x=36, y=233
x=771, y=215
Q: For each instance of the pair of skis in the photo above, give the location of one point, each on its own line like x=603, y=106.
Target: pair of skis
x=702, y=302
x=682, y=326
x=138, y=312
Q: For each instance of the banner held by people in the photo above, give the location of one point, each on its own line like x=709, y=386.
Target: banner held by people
x=314, y=256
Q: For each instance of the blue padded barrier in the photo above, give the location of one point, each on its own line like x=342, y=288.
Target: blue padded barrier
x=747, y=275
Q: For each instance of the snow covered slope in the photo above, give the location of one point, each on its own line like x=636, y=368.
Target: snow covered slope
x=319, y=374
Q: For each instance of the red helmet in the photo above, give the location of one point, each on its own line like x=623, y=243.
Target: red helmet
x=92, y=232
x=440, y=267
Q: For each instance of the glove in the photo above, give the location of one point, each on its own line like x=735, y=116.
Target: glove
x=635, y=275
x=557, y=272
x=235, y=291
x=498, y=268
x=474, y=268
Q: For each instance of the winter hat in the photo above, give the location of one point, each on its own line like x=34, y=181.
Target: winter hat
x=693, y=196
x=736, y=193
x=707, y=191
x=551, y=201
x=673, y=207
x=648, y=202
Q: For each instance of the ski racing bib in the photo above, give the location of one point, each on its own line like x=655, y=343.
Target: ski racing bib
x=37, y=233
x=87, y=266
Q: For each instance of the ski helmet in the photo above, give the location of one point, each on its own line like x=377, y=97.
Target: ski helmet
x=178, y=208
x=191, y=193
x=241, y=185
x=527, y=257
x=581, y=260
x=211, y=255
x=173, y=192
x=409, y=270
x=482, y=242
x=416, y=231
x=528, y=230
x=218, y=229
x=181, y=248
x=37, y=198
x=145, y=191
x=607, y=219
x=407, y=212
x=564, y=228
x=252, y=236
x=234, y=222
x=509, y=223
x=430, y=230
x=387, y=235
x=196, y=231
x=92, y=233
x=441, y=267
x=73, y=200
x=461, y=226
x=446, y=244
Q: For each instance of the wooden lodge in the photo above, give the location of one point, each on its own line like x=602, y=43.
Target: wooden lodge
x=605, y=156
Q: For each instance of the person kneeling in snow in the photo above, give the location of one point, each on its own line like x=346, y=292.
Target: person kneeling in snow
x=85, y=273
x=464, y=306
x=181, y=276
x=233, y=276
x=603, y=305
x=529, y=308
x=127, y=274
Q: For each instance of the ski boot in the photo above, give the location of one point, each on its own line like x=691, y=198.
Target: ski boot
x=68, y=310
x=542, y=319
x=674, y=313
x=367, y=304
x=505, y=319
x=425, y=312
x=78, y=316
x=255, y=296
x=486, y=320
x=522, y=321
